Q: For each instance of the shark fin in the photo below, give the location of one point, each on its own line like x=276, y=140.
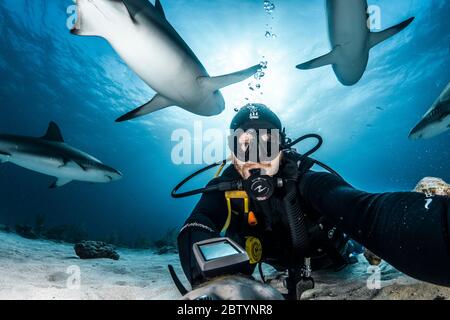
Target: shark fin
x=136, y=6
x=159, y=8
x=378, y=37
x=5, y=157
x=72, y=163
x=4, y=153
x=80, y=165
x=53, y=133
x=324, y=60
x=59, y=182
x=157, y=103
x=216, y=83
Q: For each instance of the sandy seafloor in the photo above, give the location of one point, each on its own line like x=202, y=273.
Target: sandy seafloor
x=39, y=269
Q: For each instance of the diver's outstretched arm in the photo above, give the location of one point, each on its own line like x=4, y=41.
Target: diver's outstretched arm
x=407, y=229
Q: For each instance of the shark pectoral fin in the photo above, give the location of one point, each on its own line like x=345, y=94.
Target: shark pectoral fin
x=79, y=165
x=64, y=162
x=53, y=133
x=4, y=153
x=216, y=83
x=157, y=103
x=69, y=163
x=159, y=8
x=136, y=6
x=329, y=58
x=59, y=182
x=4, y=156
x=377, y=37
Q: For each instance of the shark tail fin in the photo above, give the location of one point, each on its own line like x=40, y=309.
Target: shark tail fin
x=216, y=83
x=329, y=58
x=378, y=37
x=157, y=103
x=53, y=133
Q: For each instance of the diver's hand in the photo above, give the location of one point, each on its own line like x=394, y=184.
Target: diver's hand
x=233, y=288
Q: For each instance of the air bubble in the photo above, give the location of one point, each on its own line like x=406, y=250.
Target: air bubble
x=269, y=7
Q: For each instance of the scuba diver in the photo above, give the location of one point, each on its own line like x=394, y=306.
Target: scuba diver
x=270, y=207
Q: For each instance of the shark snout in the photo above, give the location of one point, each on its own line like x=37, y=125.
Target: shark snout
x=77, y=26
x=90, y=18
x=417, y=132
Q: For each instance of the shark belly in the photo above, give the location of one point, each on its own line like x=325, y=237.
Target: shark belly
x=436, y=128
x=207, y=104
x=349, y=35
x=55, y=167
x=159, y=61
x=45, y=165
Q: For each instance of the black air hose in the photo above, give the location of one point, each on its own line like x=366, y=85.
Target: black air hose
x=296, y=223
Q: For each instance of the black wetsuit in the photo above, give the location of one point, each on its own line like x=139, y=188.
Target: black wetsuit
x=407, y=229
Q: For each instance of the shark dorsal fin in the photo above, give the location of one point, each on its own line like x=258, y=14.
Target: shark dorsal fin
x=53, y=133
x=159, y=8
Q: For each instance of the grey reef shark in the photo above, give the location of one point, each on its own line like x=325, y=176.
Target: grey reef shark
x=437, y=119
x=351, y=40
x=51, y=156
x=143, y=37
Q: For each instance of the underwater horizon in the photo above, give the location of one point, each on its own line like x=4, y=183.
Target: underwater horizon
x=48, y=74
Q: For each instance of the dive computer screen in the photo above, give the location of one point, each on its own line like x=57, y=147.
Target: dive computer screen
x=220, y=256
x=220, y=249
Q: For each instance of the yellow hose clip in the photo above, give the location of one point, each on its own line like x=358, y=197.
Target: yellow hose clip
x=254, y=249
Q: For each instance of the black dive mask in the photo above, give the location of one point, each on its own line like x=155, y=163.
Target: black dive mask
x=260, y=145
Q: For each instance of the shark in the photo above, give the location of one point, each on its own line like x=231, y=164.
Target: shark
x=351, y=40
x=144, y=38
x=437, y=119
x=50, y=155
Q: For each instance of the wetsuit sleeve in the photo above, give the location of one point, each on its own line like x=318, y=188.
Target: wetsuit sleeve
x=205, y=222
x=407, y=229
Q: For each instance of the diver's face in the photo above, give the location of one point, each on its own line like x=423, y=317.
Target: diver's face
x=270, y=166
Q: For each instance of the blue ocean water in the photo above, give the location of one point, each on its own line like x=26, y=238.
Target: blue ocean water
x=47, y=74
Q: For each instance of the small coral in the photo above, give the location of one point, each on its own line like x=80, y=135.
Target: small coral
x=433, y=186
